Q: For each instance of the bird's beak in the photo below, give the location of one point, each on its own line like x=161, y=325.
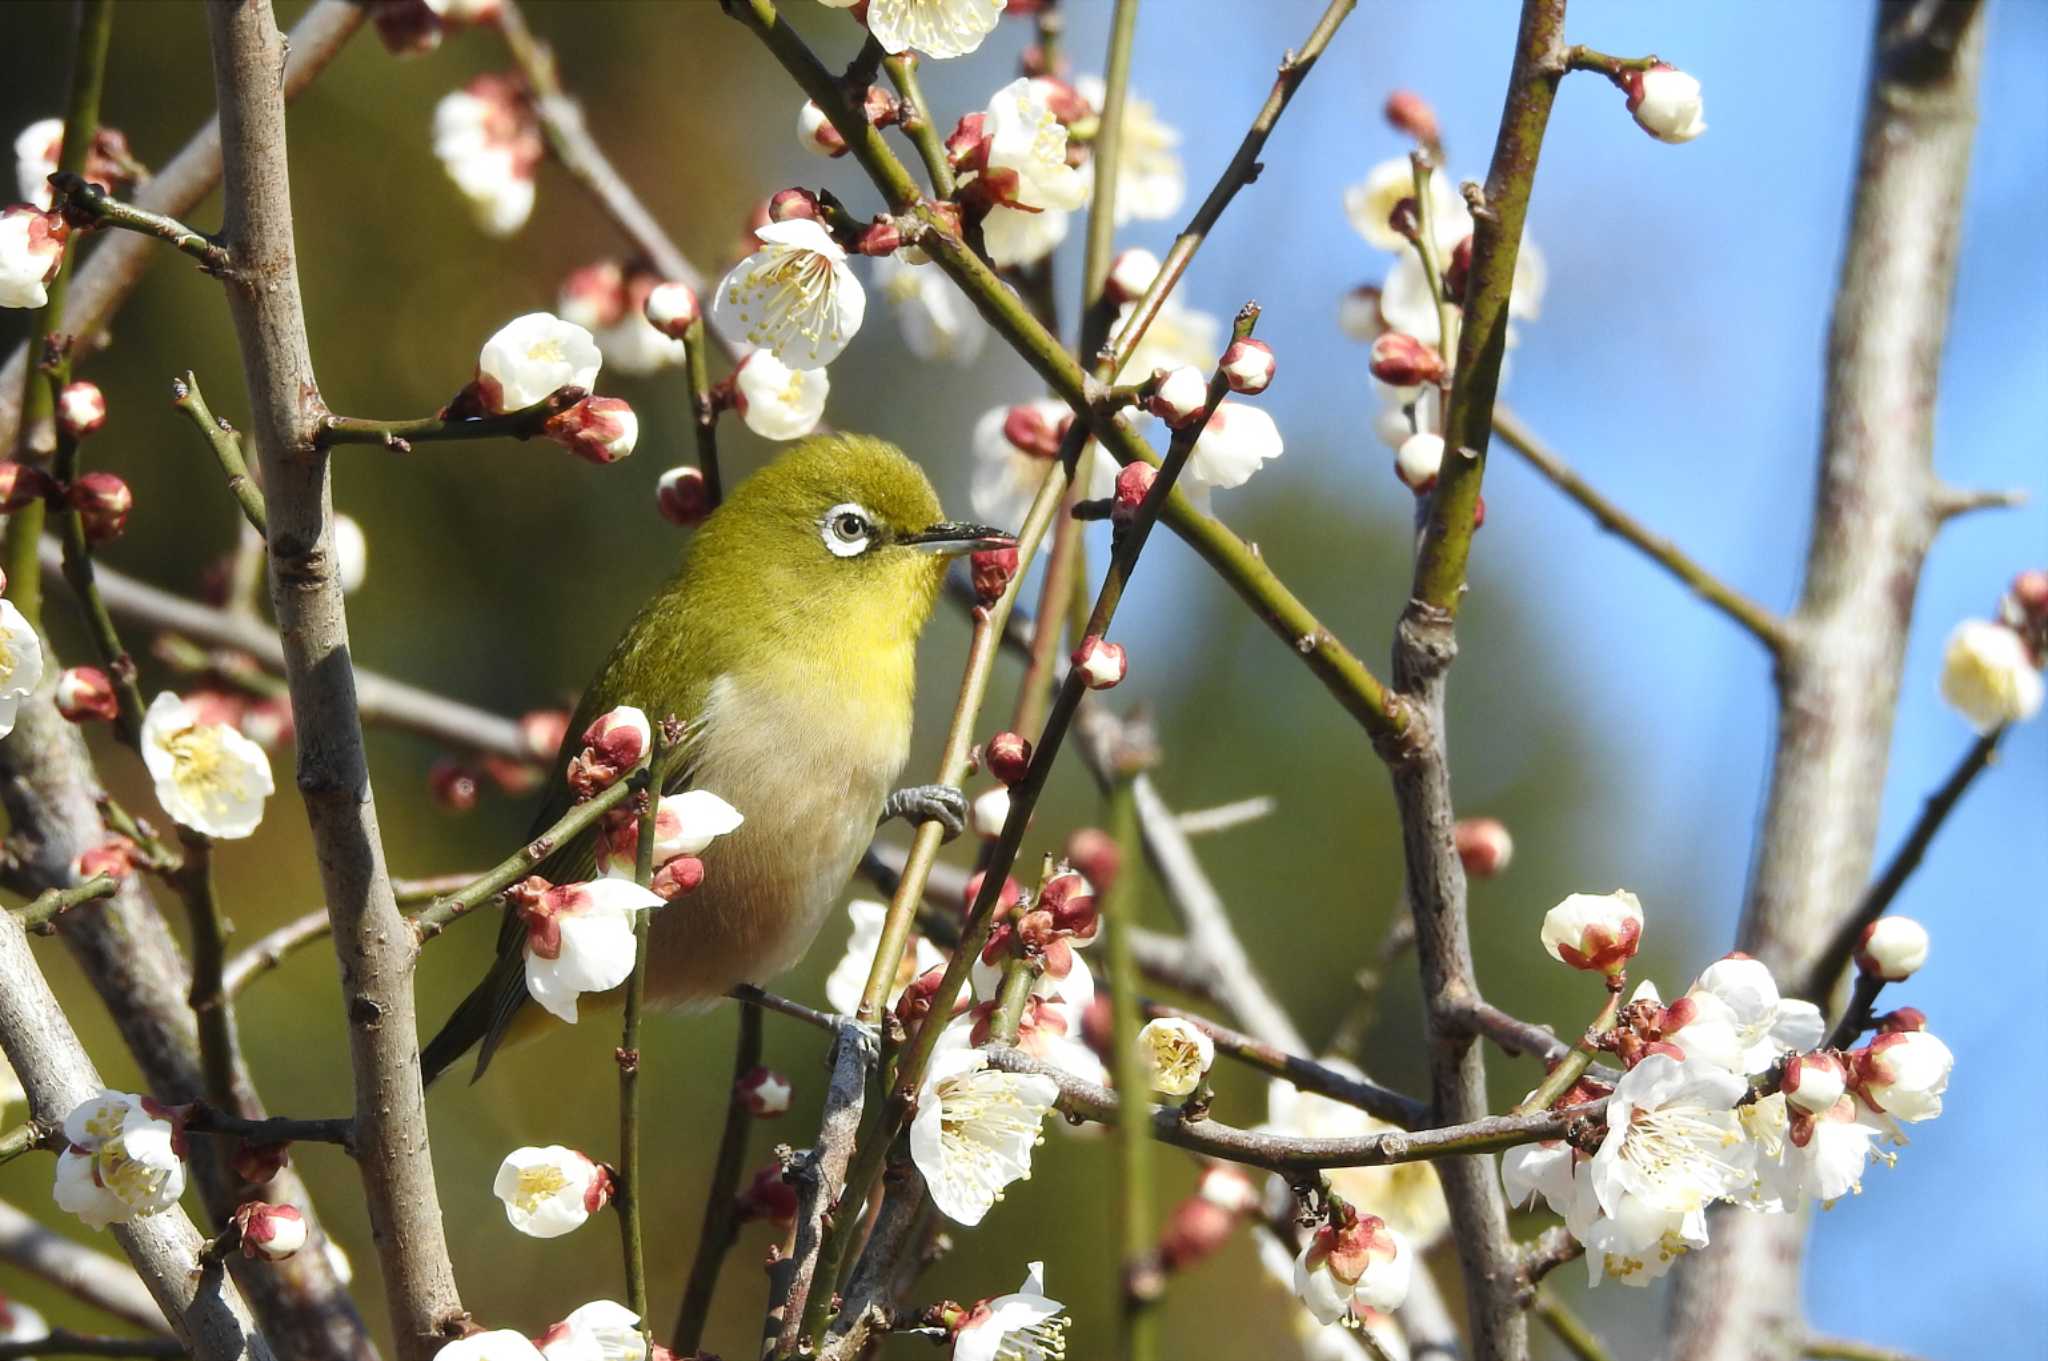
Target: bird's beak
x=951, y=538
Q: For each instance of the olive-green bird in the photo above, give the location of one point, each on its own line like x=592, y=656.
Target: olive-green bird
x=787, y=643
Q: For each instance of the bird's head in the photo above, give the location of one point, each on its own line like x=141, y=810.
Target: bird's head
x=841, y=530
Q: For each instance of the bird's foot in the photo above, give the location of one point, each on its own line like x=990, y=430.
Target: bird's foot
x=940, y=803
x=864, y=1037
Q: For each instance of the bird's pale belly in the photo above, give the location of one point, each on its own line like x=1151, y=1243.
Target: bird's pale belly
x=768, y=886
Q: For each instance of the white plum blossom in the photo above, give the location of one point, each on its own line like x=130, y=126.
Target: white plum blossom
x=1666, y=103
x=975, y=1128
x=36, y=150
x=795, y=296
x=488, y=142
x=1025, y=1325
x=684, y=824
x=1595, y=932
x=1151, y=183
x=937, y=28
x=1317, y=1340
x=1803, y=1155
x=579, y=938
x=1364, y=1262
x=1026, y=172
x=1766, y=1025
x=1903, y=1074
x=1418, y=461
x=849, y=976
x=1989, y=676
x=209, y=777
x=1236, y=442
x=1893, y=948
x=500, y=1344
x=550, y=1191
x=19, y=1323
x=603, y=1330
x=1370, y=203
x=1407, y=1196
x=776, y=401
x=938, y=322
x=1674, y=1143
x=988, y=812
x=123, y=1160
x=1175, y=1054
x=530, y=357
x=21, y=663
x=1407, y=305
x=1130, y=274
x=31, y=248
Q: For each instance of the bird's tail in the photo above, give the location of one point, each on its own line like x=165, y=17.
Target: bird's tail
x=480, y=1023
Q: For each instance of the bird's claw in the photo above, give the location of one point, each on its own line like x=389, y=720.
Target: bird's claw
x=865, y=1038
x=940, y=803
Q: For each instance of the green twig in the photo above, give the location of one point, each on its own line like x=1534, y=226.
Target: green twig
x=41, y=912
x=916, y=122
x=721, y=1222
x=703, y=410
x=1138, y=1323
x=1846, y=1349
x=524, y=423
x=1568, y=1328
x=227, y=449
x=1573, y=1065
x=80, y=197
x=27, y=1137
x=208, y=998
x=626, y=1197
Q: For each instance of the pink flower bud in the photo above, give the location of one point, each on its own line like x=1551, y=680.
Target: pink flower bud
x=1101, y=662
x=114, y=857
x=1893, y=948
x=1180, y=396
x=1418, y=460
x=880, y=107
x=1459, y=270
x=1008, y=756
x=683, y=497
x=1478, y=513
x=21, y=484
x=596, y=429
x=2029, y=594
x=815, y=133
x=791, y=204
x=1026, y=427
x=1814, y=1082
x=1404, y=361
x=613, y=745
x=593, y=296
x=677, y=876
x=541, y=732
x=1248, y=365
x=991, y=570
x=81, y=409
x=84, y=693
x=102, y=501
x=1130, y=274
x=672, y=308
x=768, y=1196
x=1133, y=483
x=764, y=1092
x=1195, y=1231
x=453, y=785
x=1902, y=1020
x=1094, y=852
x=915, y=1001
x=31, y=249
x=1410, y=114
x=1010, y=895
x=256, y=1163
x=881, y=237
x=1484, y=846
x=270, y=1232
x=1595, y=932
x=967, y=145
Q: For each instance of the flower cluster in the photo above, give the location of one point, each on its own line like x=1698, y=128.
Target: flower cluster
x=1729, y=1096
x=532, y=358
x=124, y=1158
x=617, y=306
x=488, y=139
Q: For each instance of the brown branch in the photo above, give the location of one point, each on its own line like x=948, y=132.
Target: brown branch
x=207, y=1312
x=63, y=1342
x=116, y=266
x=820, y=1176
x=106, y=1283
x=1875, y=512
x=375, y=952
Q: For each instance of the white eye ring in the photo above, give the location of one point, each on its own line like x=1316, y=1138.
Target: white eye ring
x=846, y=529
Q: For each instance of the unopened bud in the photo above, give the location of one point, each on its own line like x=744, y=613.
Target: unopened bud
x=815, y=133
x=21, y=484
x=1133, y=484
x=1666, y=103
x=671, y=308
x=1478, y=512
x=768, y=1197
x=407, y=28
x=114, y=857
x=84, y=693
x=1130, y=274
x=881, y=237
x=102, y=501
x=1418, y=461
x=1179, y=397
x=453, y=785
x=255, y=1164
x=1459, y=270
x=1006, y=898
x=2030, y=593
x=1094, y=852
x=683, y=496
x=1814, y=1082
x=81, y=409
x=1595, y=932
x=676, y=877
x=880, y=107
x=1410, y=114
x=764, y=1092
x=1902, y=1020
x=541, y=732
x=989, y=811
x=915, y=1002
x=1248, y=365
x=1484, y=846
x=1405, y=362
x=1102, y=662
x=1893, y=948
x=791, y=204
x=612, y=746
x=596, y=429
x=991, y=571
x=967, y=144
x=1008, y=756
x=1195, y=1231
x=270, y=1232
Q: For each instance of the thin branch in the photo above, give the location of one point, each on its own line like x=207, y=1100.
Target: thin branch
x=1855, y=1018
x=1844, y=1349
x=64, y=1342
x=274, y=1129
x=1553, y=1248
x=401, y=435
x=829, y=1205
x=1878, y=897
x=271, y=950
x=78, y=574
x=703, y=408
x=1310, y=1076
x=748, y=995
x=626, y=1198
x=1140, y=1276
x=227, y=449
x=218, y=1051
x=374, y=951
x=720, y=1229
x=1762, y=624
x=915, y=118
x=50, y=904
x=80, y=197
x=92, y=1278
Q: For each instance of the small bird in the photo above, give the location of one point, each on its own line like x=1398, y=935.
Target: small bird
x=786, y=642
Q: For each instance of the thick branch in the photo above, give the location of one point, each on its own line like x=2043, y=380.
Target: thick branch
x=374, y=949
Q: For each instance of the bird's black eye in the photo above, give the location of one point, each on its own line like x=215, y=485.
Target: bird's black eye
x=847, y=529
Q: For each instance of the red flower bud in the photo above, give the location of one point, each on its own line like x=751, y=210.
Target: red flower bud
x=597, y=429
x=792, y=203
x=257, y=1163
x=1483, y=845
x=1404, y=361
x=991, y=570
x=768, y=1197
x=881, y=237
x=407, y=28
x=21, y=484
x=676, y=877
x=764, y=1092
x=270, y=1232
x=1410, y=114
x=1248, y=365
x=114, y=857
x=1008, y=756
x=453, y=785
x=1196, y=1230
x=102, y=501
x=84, y=693
x=683, y=497
x=1133, y=483
x=1029, y=432
x=1458, y=270
x=1102, y=662
x=1094, y=852
x=81, y=409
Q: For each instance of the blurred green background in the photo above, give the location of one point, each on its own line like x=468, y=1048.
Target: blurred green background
x=500, y=572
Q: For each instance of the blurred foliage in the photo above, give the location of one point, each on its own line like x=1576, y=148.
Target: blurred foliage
x=499, y=573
